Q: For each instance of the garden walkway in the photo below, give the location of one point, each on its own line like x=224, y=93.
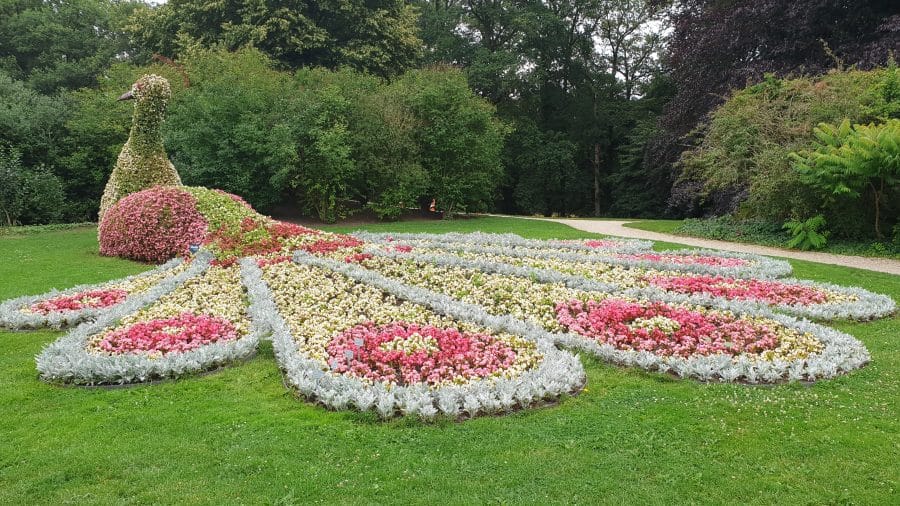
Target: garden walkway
x=617, y=228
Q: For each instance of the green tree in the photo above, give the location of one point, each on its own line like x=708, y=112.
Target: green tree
x=56, y=44
x=231, y=129
x=459, y=138
x=376, y=36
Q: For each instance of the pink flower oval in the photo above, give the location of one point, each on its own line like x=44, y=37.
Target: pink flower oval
x=406, y=353
x=664, y=330
x=771, y=292
x=181, y=333
x=88, y=299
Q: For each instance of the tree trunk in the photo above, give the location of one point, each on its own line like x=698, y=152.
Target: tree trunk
x=596, y=179
x=877, y=194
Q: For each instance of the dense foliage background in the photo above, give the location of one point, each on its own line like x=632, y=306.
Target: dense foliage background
x=645, y=108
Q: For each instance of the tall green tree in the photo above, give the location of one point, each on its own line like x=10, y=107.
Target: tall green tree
x=377, y=36
x=56, y=44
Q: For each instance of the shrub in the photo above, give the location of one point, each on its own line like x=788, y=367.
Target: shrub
x=807, y=234
x=43, y=197
x=28, y=196
x=152, y=225
x=851, y=160
x=744, y=149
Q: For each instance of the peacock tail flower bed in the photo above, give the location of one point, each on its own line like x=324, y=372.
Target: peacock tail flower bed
x=707, y=342
x=343, y=343
x=696, y=261
x=797, y=297
x=61, y=309
x=195, y=321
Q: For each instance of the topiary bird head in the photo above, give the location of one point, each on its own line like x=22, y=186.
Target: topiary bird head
x=151, y=94
x=149, y=88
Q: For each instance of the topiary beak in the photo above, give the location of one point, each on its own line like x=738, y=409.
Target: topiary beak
x=128, y=95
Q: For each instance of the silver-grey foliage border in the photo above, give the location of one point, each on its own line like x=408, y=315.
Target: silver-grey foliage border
x=759, y=267
x=67, y=360
x=486, y=239
x=559, y=372
x=842, y=352
x=11, y=316
x=868, y=305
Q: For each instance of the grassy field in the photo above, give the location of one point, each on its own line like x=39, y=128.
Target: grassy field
x=237, y=436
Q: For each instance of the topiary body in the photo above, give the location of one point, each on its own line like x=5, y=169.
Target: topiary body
x=143, y=162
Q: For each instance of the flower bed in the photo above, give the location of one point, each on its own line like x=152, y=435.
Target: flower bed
x=437, y=326
x=75, y=305
x=801, y=298
x=191, y=322
x=688, y=340
x=346, y=343
x=695, y=261
x=609, y=244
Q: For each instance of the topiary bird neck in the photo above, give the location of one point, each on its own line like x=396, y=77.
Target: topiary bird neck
x=146, y=136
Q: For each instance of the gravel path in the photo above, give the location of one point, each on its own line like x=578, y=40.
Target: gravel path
x=612, y=227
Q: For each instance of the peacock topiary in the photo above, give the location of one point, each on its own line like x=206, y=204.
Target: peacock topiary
x=143, y=162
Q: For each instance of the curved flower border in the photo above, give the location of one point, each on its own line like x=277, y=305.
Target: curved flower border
x=868, y=306
x=760, y=266
x=559, y=373
x=842, y=353
x=619, y=245
x=67, y=360
x=11, y=316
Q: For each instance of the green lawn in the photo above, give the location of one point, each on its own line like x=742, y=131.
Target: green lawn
x=237, y=436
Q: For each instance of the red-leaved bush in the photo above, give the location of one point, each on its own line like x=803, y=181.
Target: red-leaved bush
x=152, y=225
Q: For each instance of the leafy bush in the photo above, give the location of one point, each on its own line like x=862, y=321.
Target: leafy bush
x=231, y=128
x=459, y=138
x=28, y=196
x=728, y=228
x=744, y=150
x=851, y=160
x=807, y=234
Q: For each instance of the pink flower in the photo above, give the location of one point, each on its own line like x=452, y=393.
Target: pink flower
x=771, y=292
x=407, y=353
x=182, y=333
x=152, y=225
x=664, y=330
x=93, y=299
x=685, y=259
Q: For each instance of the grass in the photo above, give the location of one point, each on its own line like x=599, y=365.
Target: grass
x=237, y=436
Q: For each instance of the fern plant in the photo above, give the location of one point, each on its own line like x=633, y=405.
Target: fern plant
x=807, y=234
x=849, y=160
